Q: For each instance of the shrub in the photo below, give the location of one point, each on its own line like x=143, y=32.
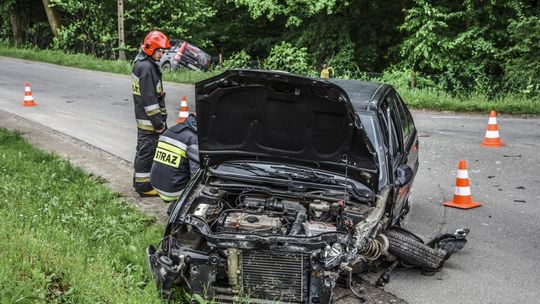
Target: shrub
x=286, y=57
x=237, y=60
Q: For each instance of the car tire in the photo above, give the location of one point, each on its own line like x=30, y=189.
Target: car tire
x=166, y=67
x=414, y=252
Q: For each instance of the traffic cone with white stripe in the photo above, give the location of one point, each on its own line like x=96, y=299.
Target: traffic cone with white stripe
x=492, y=138
x=184, y=111
x=28, y=98
x=462, y=194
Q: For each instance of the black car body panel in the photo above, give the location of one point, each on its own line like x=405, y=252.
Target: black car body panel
x=302, y=181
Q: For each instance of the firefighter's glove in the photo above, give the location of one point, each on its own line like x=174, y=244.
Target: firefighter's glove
x=162, y=95
x=162, y=129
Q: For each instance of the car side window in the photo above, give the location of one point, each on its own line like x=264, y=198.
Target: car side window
x=396, y=142
x=406, y=119
x=392, y=101
x=401, y=116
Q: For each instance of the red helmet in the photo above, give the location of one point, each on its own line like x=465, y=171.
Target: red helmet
x=155, y=40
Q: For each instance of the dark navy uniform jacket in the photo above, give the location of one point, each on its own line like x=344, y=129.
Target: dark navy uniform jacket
x=176, y=159
x=147, y=88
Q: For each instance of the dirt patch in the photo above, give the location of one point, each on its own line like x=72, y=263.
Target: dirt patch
x=118, y=176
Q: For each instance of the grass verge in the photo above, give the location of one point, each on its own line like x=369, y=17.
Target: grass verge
x=416, y=98
x=65, y=237
x=475, y=103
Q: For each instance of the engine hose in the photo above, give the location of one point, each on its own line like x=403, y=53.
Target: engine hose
x=297, y=225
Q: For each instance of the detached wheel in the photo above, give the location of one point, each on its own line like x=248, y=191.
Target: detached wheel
x=413, y=251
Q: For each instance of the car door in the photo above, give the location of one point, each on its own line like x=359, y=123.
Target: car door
x=409, y=139
x=398, y=129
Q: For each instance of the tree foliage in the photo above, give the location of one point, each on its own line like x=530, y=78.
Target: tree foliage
x=460, y=41
x=458, y=44
x=294, y=11
x=176, y=18
x=523, y=63
x=84, y=30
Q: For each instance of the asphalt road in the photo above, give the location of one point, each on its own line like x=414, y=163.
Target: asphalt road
x=94, y=107
x=498, y=265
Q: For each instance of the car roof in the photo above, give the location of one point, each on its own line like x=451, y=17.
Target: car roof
x=364, y=95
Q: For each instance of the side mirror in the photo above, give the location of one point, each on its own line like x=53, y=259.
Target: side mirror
x=403, y=175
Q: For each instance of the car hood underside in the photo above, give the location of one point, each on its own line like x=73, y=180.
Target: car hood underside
x=274, y=114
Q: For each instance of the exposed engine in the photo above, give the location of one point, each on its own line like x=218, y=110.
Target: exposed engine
x=228, y=232
x=256, y=213
x=271, y=245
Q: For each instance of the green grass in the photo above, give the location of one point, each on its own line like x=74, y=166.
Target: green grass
x=475, y=103
x=65, y=237
x=418, y=98
x=189, y=76
x=73, y=60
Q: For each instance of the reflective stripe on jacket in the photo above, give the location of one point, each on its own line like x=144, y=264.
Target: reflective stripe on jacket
x=176, y=159
x=147, y=87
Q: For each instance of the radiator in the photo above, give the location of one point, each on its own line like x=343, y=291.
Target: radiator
x=274, y=275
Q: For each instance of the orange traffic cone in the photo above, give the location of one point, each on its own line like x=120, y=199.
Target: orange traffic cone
x=184, y=111
x=492, y=138
x=462, y=195
x=28, y=98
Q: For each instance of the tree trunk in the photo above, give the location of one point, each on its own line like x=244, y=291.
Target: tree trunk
x=121, y=42
x=52, y=16
x=16, y=25
x=413, y=79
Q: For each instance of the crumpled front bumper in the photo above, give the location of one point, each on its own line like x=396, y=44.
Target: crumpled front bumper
x=296, y=282
x=163, y=271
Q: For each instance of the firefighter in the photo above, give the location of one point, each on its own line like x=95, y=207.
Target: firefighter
x=150, y=111
x=176, y=159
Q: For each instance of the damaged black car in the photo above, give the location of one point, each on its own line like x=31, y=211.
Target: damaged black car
x=304, y=182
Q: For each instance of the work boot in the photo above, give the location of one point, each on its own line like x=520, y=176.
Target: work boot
x=150, y=193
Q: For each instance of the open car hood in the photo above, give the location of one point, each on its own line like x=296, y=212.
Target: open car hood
x=276, y=115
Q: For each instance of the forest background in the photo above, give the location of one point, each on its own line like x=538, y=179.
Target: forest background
x=488, y=48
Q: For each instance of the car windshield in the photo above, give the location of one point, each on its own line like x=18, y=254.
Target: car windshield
x=296, y=177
